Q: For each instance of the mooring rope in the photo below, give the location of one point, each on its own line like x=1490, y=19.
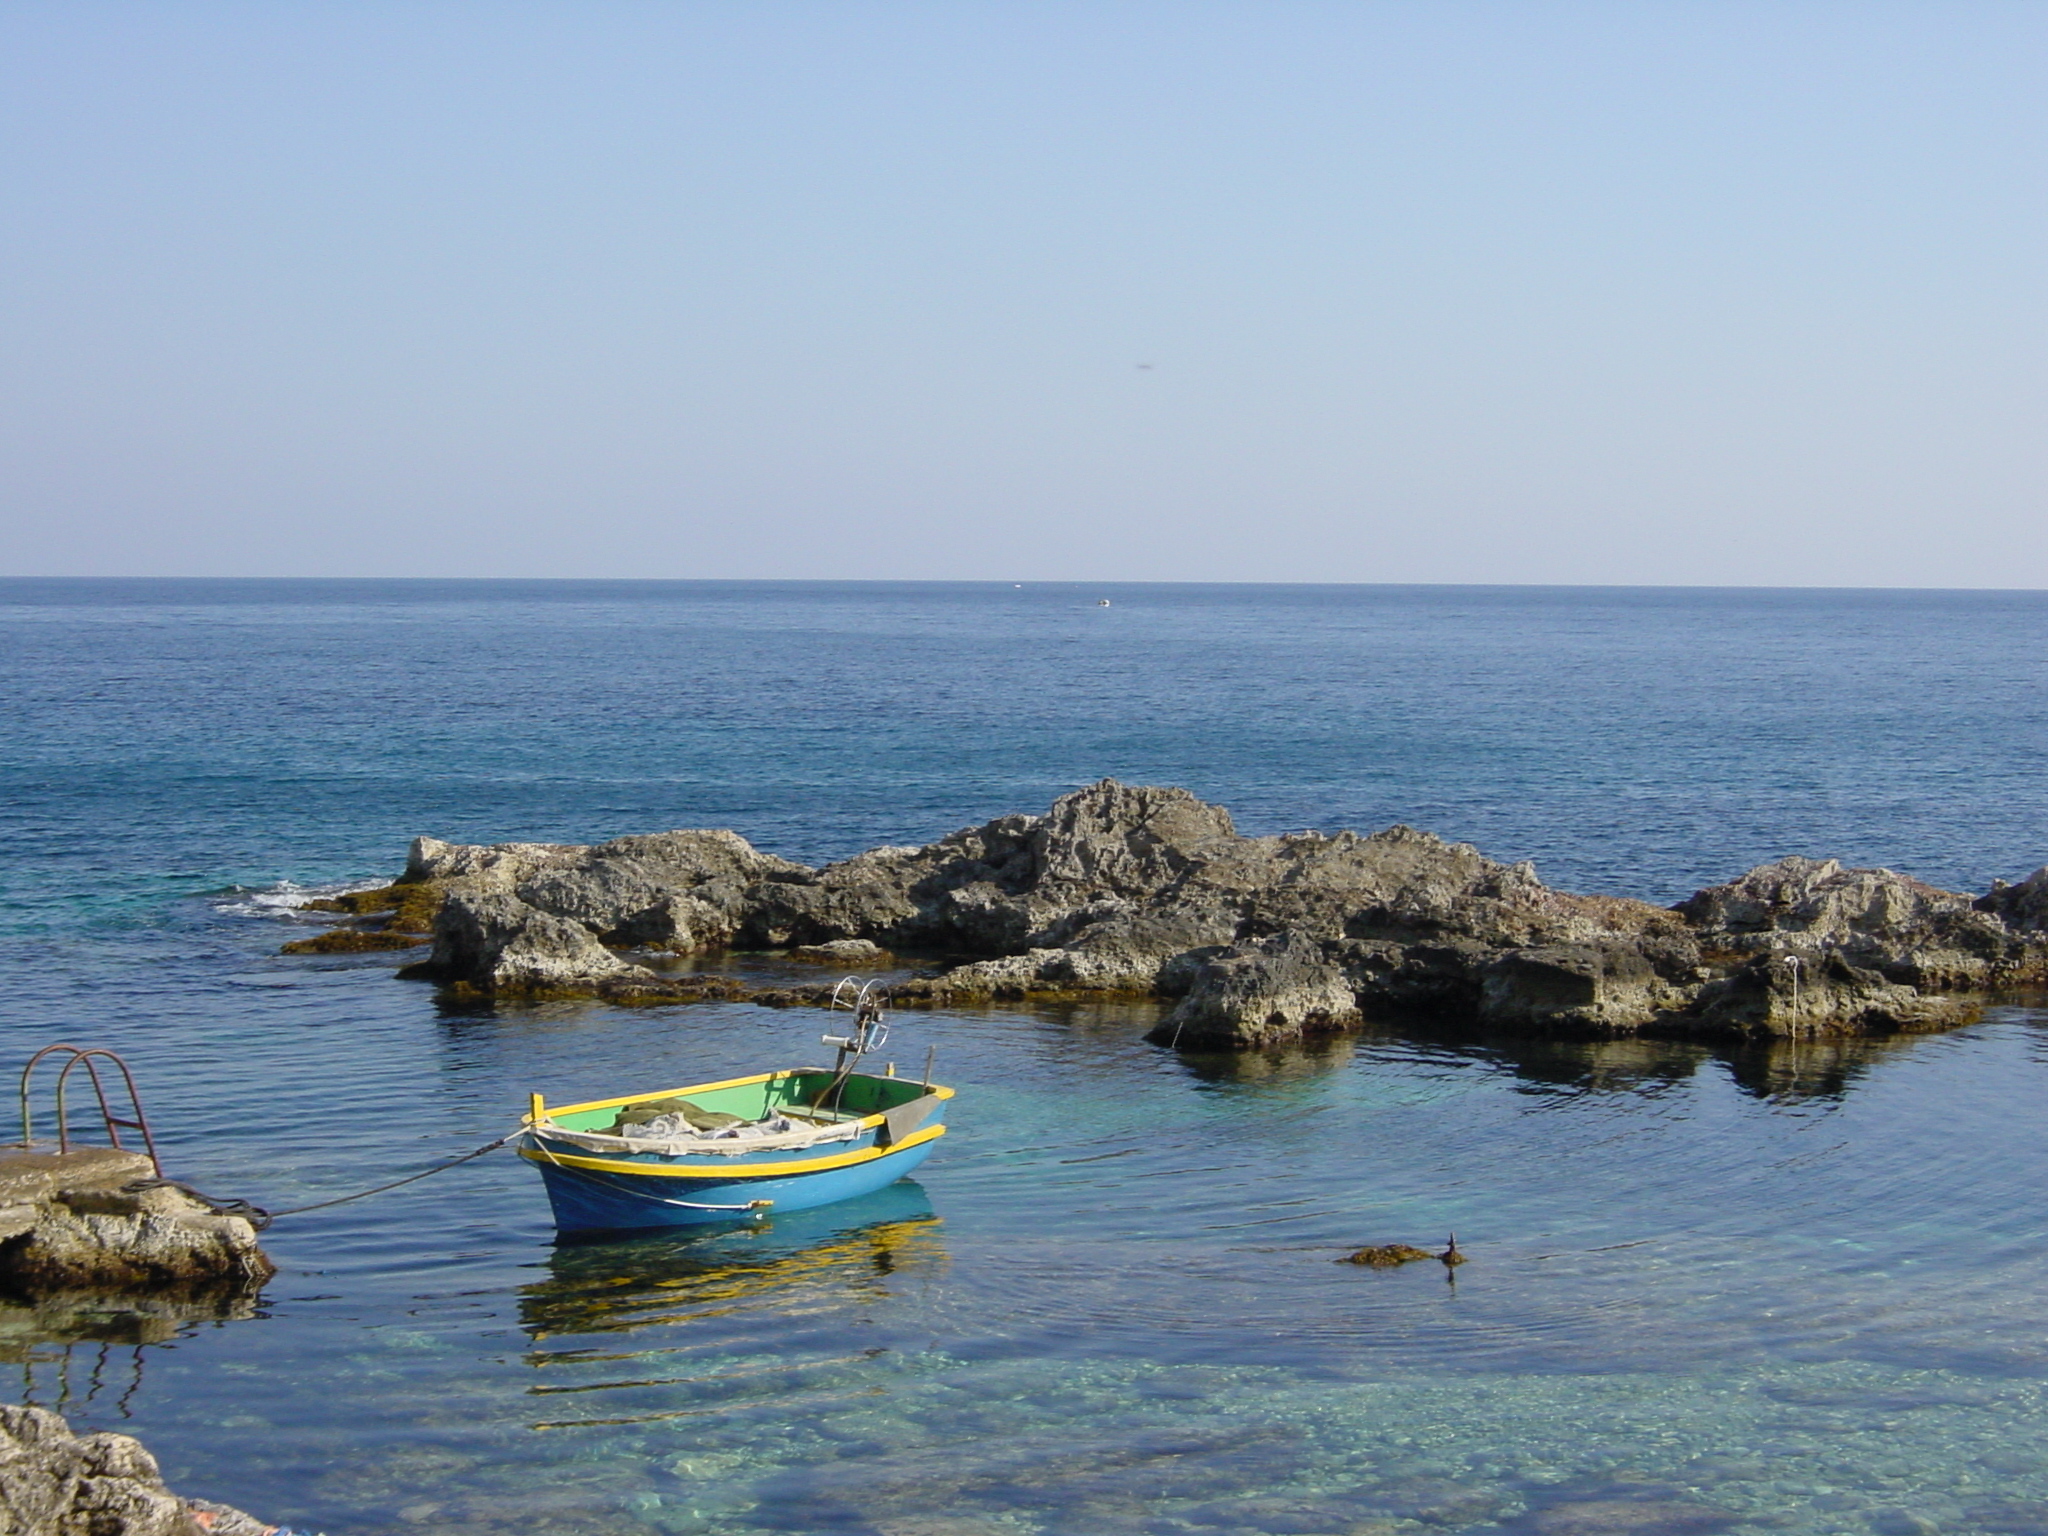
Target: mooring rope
x=259, y=1218
x=250, y=1212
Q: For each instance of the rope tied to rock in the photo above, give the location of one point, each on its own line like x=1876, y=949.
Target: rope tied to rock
x=250, y=1212
x=260, y=1219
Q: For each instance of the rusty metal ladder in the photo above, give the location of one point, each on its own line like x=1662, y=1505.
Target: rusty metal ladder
x=90, y=1056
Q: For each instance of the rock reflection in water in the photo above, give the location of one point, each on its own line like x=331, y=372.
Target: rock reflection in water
x=1813, y=1069
x=78, y=1317
x=1779, y=1070
x=75, y=1348
x=1634, y=1065
x=1280, y=1064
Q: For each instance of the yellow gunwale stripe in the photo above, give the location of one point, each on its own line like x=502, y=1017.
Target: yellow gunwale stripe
x=553, y=1110
x=739, y=1171
x=669, y=1093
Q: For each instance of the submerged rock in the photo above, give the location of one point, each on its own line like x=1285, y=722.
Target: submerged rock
x=396, y=916
x=1629, y=1517
x=1259, y=940
x=854, y=953
x=55, y=1483
x=1387, y=1256
x=1434, y=1500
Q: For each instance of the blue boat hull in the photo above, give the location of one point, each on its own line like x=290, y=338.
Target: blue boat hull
x=593, y=1200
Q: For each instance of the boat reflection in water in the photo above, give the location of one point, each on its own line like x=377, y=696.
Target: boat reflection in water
x=807, y=1263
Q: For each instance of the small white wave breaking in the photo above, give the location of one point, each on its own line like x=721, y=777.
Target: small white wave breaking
x=286, y=900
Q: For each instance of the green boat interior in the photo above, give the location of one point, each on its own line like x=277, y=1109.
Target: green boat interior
x=815, y=1099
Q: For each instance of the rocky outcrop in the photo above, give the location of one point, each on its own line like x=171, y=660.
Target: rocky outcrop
x=496, y=938
x=1607, y=987
x=1904, y=929
x=1151, y=891
x=1273, y=990
x=538, y=917
x=672, y=890
x=1788, y=995
x=2023, y=908
x=69, y=1221
x=55, y=1483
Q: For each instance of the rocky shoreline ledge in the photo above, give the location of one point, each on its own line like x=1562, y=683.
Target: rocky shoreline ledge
x=1122, y=890
x=97, y=1220
x=55, y=1483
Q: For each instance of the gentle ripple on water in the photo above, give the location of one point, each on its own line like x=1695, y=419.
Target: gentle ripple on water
x=1114, y=1299
x=1802, y=1287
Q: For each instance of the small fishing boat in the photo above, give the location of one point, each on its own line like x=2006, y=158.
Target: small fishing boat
x=742, y=1148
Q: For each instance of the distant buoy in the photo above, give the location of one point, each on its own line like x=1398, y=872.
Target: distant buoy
x=1102, y=602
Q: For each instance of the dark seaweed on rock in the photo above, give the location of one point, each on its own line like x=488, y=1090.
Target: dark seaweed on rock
x=1257, y=940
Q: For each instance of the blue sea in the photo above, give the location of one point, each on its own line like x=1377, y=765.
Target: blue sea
x=1799, y=1290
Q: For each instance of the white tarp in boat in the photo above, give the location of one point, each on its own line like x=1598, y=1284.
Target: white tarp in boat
x=672, y=1136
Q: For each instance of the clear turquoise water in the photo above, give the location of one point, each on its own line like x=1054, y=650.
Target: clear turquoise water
x=1800, y=1291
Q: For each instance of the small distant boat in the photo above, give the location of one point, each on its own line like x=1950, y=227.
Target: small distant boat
x=742, y=1148
x=1102, y=602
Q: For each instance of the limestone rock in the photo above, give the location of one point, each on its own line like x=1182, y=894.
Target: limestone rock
x=683, y=890
x=855, y=954
x=864, y=898
x=1012, y=884
x=1277, y=989
x=1386, y=1255
x=482, y=867
x=55, y=1483
x=603, y=895
x=1120, y=951
x=684, y=924
x=1785, y=995
x=87, y=1232
x=499, y=942
x=1123, y=840
x=1611, y=988
x=2022, y=907
x=1126, y=889
x=1818, y=897
x=72, y=1250
x=1913, y=932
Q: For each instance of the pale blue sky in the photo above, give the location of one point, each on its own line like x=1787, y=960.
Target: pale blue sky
x=1658, y=292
